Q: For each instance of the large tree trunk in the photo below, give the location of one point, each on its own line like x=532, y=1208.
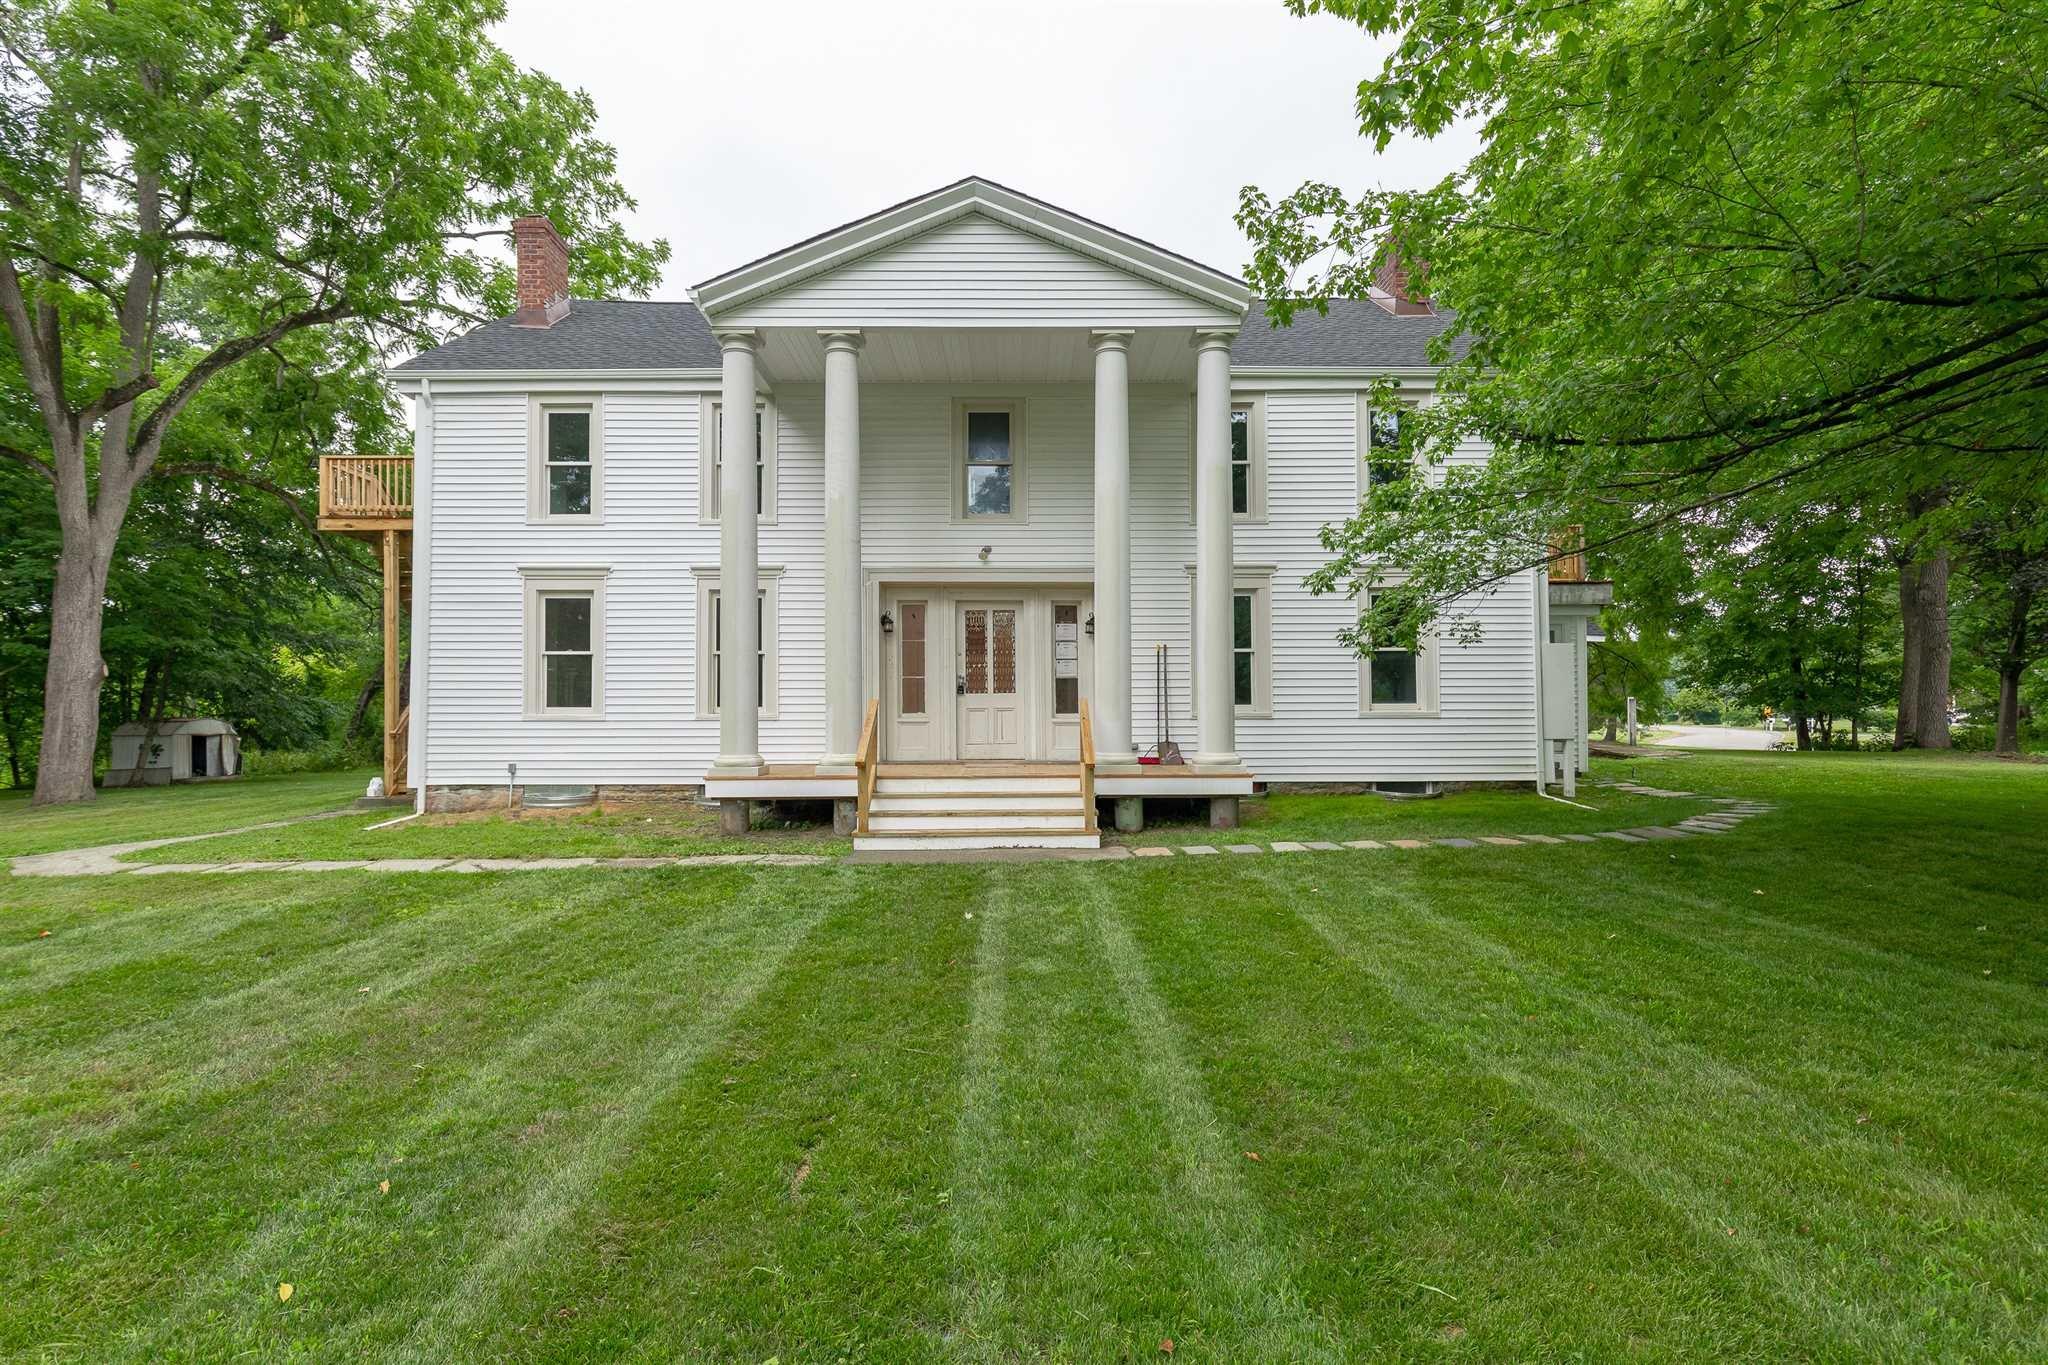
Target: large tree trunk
x=2012, y=663
x=1802, y=727
x=2009, y=708
x=71, y=686
x=1930, y=700
x=1909, y=657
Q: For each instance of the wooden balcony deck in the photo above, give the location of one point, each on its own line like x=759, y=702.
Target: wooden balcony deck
x=365, y=495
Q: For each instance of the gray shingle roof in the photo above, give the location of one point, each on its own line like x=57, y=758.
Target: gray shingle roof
x=1356, y=334
x=595, y=335
x=633, y=335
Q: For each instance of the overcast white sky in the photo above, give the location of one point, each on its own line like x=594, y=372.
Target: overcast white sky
x=743, y=127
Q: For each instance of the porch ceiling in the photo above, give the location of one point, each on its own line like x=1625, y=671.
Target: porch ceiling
x=979, y=355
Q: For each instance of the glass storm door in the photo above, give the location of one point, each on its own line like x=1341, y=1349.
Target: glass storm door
x=991, y=717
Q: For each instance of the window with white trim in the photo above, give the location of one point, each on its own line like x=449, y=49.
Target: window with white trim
x=564, y=643
x=1251, y=638
x=988, y=461
x=1399, y=681
x=1247, y=461
x=711, y=644
x=565, y=470
x=711, y=496
x=1384, y=454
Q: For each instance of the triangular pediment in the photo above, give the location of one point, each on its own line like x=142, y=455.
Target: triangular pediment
x=973, y=255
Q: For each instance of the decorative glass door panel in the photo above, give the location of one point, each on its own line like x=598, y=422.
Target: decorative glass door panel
x=991, y=716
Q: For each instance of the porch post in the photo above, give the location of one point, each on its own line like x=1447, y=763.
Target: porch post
x=844, y=617
x=1215, y=578
x=1112, y=705
x=739, y=564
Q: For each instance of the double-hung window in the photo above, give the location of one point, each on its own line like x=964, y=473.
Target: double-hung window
x=712, y=493
x=1247, y=461
x=565, y=474
x=714, y=637
x=1387, y=457
x=988, y=466
x=564, y=642
x=1399, y=681
x=1251, y=638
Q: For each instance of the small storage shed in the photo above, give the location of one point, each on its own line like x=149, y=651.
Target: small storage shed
x=176, y=749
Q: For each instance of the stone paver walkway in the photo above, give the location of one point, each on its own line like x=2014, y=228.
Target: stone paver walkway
x=106, y=859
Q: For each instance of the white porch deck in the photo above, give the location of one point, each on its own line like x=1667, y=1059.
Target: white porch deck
x=803, y=781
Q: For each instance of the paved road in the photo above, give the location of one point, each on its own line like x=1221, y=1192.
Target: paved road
x=1714, y=737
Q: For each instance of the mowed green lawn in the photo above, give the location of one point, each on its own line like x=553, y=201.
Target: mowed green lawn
x=129, y=814
x=1776, y=1093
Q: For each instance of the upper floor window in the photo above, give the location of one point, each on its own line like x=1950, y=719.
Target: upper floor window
x=1247, y=462
x=988, y=469
x=565, y=473
x=712, y=494
x=1388, y=456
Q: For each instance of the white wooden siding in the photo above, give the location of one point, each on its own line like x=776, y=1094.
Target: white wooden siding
x=651, y=540
x=976, y=272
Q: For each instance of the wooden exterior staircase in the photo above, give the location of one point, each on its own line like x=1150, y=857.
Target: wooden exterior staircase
x=369, y=497
x=938, y=807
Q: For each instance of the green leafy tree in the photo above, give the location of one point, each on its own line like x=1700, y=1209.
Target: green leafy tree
x=1784, y=615
x=186, y=185
x=1706, y=253
x=222, y=599
x=2002, y=619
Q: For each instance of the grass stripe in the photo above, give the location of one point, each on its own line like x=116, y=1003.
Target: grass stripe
x=700, y=1241
x=136, y=1075
x=471, y=1202
x=1419, y=1198
x=1080, y=1107
x=1778, y=1159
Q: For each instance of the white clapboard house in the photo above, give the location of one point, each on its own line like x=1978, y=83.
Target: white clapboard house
x=951, y=515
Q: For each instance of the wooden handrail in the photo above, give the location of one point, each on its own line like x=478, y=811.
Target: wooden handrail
x=1088, y=768
x=396, y=755
x=1568, y=555
x=368, y=486
x=864, y=766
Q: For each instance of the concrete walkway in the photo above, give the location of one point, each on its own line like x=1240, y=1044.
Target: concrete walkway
x=105, y=861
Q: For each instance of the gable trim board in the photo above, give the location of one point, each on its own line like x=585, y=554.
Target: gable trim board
x=724, y=297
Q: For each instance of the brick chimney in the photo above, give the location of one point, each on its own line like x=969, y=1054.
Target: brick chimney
x=1392, y=277
x=543, y=272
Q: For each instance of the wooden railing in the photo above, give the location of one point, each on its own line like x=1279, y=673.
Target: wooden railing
x=1088, y=768
x=1568, y=555
x=864, y=765
x=366, y=487
x=396, y=752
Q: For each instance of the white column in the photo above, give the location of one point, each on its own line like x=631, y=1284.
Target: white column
x=739, y=562
x=1215, y=577
x=1111, y=707
x=844, y=618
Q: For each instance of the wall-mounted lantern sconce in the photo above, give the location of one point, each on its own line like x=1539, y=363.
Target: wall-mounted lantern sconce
x=986, y=550
x=888, y=624
x=1090, y=627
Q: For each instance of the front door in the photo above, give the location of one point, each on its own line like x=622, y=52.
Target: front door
x=991, y=714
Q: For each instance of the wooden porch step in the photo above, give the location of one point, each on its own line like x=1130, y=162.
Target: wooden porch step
x=965, y=839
